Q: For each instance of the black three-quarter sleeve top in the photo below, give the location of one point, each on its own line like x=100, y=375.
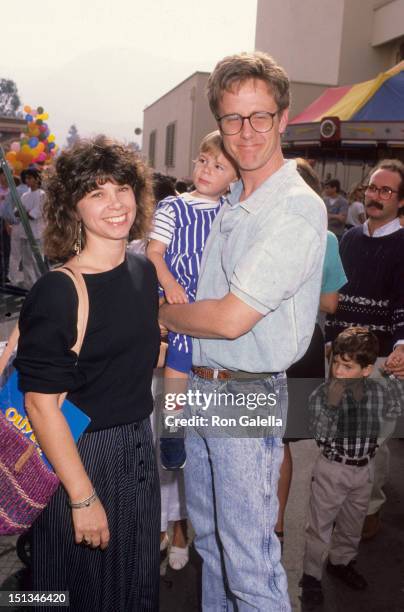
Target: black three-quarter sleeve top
x=111, y=381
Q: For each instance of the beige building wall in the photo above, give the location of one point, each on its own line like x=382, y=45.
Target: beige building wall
x=388, y=18
x=323, y=43
x=185, y=106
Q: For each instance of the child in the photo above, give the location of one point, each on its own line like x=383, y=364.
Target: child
x=345, y=415
x=181, y=227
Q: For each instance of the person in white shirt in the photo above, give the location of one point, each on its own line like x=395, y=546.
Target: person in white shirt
x=33, y=202
x=356, y=211
x=16, y=231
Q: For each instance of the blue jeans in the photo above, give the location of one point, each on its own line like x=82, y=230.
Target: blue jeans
x=231, y=492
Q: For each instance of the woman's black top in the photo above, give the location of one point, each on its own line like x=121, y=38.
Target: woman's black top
x=111, y=382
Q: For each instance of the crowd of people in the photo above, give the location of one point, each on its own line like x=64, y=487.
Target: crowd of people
x=238, y=272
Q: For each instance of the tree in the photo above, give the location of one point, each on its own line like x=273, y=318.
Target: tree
x=9, y=99
x=72, y=136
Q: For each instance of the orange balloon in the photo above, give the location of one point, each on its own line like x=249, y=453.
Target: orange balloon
x=11, y=156
x=26, y=158
x=18, y=166
x=27, y=109
x=40, y=147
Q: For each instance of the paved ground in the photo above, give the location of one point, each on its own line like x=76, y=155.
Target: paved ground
x=380, y=560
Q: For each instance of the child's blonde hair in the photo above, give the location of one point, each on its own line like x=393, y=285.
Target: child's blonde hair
x=213, y=143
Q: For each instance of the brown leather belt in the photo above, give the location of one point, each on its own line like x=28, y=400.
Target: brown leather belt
x=211, y=374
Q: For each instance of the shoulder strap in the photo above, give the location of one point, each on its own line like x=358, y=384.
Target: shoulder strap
x=83, y=306
x=82, y=317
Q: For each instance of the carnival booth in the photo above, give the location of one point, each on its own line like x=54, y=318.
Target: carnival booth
x=353, y=126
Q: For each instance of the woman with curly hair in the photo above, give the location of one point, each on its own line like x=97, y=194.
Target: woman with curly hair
x=99, y=536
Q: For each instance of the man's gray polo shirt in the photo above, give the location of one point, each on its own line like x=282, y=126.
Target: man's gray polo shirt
x=268, y=251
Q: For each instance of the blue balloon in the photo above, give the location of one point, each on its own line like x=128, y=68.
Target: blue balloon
x=28, y=118
x=51, y=145
x=33, y=142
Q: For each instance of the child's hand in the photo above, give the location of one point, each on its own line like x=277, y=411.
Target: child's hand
x=336, y=389
x=175, y=294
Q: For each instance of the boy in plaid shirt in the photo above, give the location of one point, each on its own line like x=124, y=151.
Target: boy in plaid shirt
x=345, y=416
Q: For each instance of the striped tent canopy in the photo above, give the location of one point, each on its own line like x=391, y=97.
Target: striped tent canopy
x=381, y=99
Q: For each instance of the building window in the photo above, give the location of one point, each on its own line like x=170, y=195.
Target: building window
x=170, y=145
x=152, y=148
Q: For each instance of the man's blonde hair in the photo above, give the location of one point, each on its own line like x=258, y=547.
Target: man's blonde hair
x=236, y=69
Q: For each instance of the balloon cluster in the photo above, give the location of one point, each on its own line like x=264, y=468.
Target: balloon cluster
x=37, y=144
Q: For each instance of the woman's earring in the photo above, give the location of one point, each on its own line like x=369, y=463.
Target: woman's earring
x=78, y=243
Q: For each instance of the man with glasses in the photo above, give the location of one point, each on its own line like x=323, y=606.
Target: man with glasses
x=372, y=256
x=257, y=300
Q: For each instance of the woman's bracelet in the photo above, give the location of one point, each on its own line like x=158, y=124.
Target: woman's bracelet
x=85, y=503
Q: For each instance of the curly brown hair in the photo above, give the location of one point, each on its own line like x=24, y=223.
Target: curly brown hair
x=81, y=169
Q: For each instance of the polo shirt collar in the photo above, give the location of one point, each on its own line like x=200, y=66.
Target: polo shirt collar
x=259, y=197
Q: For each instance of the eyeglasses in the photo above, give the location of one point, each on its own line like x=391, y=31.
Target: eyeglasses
x=384, y=192
x=261, y=121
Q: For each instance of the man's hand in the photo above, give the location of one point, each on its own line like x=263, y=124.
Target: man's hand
x=395, y=362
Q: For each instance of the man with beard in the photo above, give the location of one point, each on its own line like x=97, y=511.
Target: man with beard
x=373, y=297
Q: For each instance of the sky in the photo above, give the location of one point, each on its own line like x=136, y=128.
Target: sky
x=99, y=64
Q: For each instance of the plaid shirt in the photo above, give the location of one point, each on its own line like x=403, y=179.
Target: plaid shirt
x=351, y=429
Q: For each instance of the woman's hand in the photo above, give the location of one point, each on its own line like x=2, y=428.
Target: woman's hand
x=91, y=526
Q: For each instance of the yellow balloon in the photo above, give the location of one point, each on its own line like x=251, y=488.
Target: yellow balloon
x=51, y=138
x=45, y=116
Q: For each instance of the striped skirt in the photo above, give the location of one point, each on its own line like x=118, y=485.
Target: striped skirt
x=125, y=576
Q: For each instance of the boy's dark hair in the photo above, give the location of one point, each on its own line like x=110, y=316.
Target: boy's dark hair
x=81, y=169
x=358, y=344
x=181, y=186
x=33, y=173
x=334, y=183
x=163, y=186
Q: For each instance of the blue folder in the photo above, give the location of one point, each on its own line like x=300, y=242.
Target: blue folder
x=12, y=406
